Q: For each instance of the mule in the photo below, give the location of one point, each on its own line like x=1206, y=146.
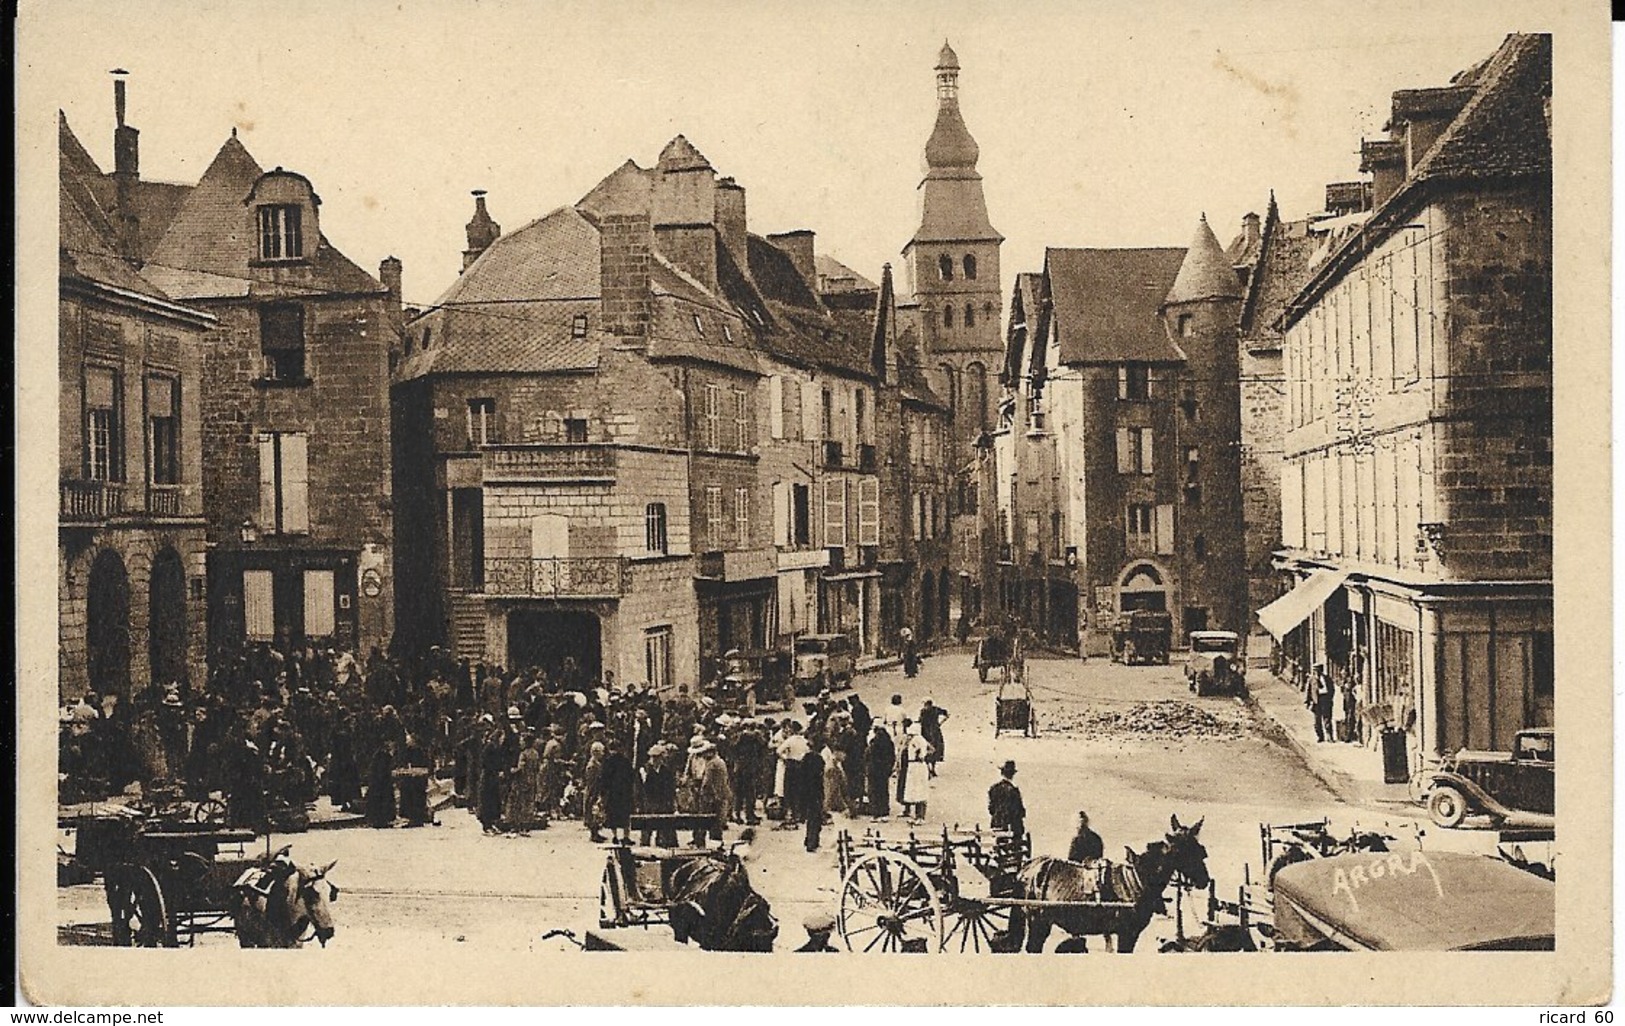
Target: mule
x=713, y=903
x=1134, y=887
x=282, y=905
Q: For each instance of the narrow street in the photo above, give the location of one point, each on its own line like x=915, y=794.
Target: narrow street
x=1130, y=745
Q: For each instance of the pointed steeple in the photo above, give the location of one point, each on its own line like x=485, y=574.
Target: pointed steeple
x=950, y=148
x=1205, y=273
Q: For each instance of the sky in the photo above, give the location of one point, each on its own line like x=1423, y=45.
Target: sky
x=1099, y=124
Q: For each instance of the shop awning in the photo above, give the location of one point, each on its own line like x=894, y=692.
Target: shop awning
x=1293, y=608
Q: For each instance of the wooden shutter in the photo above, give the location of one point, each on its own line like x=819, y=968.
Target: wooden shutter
x=811, y=405
x=267, y=516
x=259, y=617
x=835, y=513
x=295, y=485
x=1165, y=529
x=1125, y=451
x=775, y=406
x=1146, y=445
x=781, y=514
x=869, y=511
x=318, y=603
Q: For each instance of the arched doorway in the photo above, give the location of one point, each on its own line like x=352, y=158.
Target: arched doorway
x=166, y=618
x=928, y=599
x=107, y=626
x=1142, y=587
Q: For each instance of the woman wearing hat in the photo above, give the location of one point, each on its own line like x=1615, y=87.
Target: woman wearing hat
x=592, y=792
x=916, y=784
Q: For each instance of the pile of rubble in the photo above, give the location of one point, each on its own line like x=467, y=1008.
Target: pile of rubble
x=1166, y=720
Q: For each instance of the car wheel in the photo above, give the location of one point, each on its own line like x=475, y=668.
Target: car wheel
x=1447, y=806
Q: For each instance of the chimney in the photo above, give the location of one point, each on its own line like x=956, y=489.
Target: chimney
x=731, y=223
x=1347, y=197
x=623, y=267
x=1384, y=159
x=799, y=246
x=482, y=231
x=389, y=272
x=1420, y=116
x=683, y=210
x=126, y=172
x=1250, y=233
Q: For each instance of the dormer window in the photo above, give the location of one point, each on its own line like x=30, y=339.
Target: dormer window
x=279, y=232
x=699, y=326
x=727, y=333
x=578, y=327
x=1187, y=326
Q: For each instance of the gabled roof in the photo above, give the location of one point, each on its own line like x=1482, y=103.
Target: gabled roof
x=1279, y=271
x=1021, y=346
x=912, y=381
x=206, y=250
x=1504, y=129
x=829, y=267
x=1106, y=303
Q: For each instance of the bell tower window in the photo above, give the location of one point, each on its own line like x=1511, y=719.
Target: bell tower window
x=945, y=267
x=947, y=317
x=970, y=267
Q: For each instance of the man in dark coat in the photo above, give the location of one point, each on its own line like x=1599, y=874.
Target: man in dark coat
x=1004, y=806
x=660, y=792
x=931, y=717
x=381, y=788
x=617, y=783
x=812, y=795
x=343, y=771
x=1323, y=692
x=493, y=771
x=879, y=759
x=750, y=760
x=862, y=718
x=1086, y=844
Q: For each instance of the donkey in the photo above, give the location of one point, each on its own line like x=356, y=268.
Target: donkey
x=281, y=905
x=1135, y=886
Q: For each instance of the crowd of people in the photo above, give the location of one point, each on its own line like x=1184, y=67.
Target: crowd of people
x=277, y=728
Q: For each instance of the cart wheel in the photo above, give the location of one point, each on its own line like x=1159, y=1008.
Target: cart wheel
x=975, y=926
x=887, y=901
x=210, y=810
x=140, y=915
x=1446, y=806
x=611, y=897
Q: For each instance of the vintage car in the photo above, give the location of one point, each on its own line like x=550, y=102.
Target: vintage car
x=1142, y=636
x=758, y=677
x=824, y=661
x=1215, y=663
x=1511, y=789
x=1412, y=901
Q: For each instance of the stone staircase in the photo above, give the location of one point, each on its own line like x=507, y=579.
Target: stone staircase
x=467, y=625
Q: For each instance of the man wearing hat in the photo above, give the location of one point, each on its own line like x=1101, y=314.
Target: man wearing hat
x=1004, y=805
x=1323, y=692
x=1086, y=844
x=818, y=928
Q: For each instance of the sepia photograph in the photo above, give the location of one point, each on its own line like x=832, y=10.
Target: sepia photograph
x=992, y=482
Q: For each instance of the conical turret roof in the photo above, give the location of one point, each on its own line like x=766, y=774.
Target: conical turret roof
x=947, y=60
x=1206, y=272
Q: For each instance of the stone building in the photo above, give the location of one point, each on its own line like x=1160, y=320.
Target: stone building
x=1119, y=448
x=1417, y=490
x=957, y=308
x=130, y=522
x=635, y=435
x=295, y=407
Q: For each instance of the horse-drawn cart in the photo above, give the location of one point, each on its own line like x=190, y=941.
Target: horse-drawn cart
x=168, y=881
x=700, y=893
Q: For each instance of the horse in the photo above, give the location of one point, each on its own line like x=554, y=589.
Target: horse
x=1134, y=886
x=277, y=902
x=712, y=902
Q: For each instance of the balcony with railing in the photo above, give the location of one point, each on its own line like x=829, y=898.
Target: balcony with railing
x=561, y=577
x=164, y=500
x=91, y=501
x=548, y=462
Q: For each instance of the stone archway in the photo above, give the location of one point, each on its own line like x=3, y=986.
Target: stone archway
x=166, y=618
x=107, y=626
x=1143, y=585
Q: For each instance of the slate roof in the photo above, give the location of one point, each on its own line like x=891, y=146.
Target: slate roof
x=1107, y=301
x=1021, y=349
x=829, y=267
x=1281, y=271
x=513, y=310
x=911, y=379
x=205, y=251
x=1205, y=273
x=1504, y=129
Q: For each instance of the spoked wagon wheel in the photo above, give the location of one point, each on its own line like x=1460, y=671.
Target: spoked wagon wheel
x=976, y=926
x=611, y=896
x=210, y=810
x=140, y=915
x=888, y=904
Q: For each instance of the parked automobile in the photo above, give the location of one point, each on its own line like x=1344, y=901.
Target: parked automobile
x=824, y=661
x=1215, y=663
x=759, y=677
x=1513, y=789
x=1142, y=636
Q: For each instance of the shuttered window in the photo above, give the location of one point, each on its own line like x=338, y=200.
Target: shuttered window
x=742, y=517
x=284, y=506
x=869, y=511
x=775, y=406
x=713, y=517
x=712, y=435
x=781, y=514
x=1165, y=530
